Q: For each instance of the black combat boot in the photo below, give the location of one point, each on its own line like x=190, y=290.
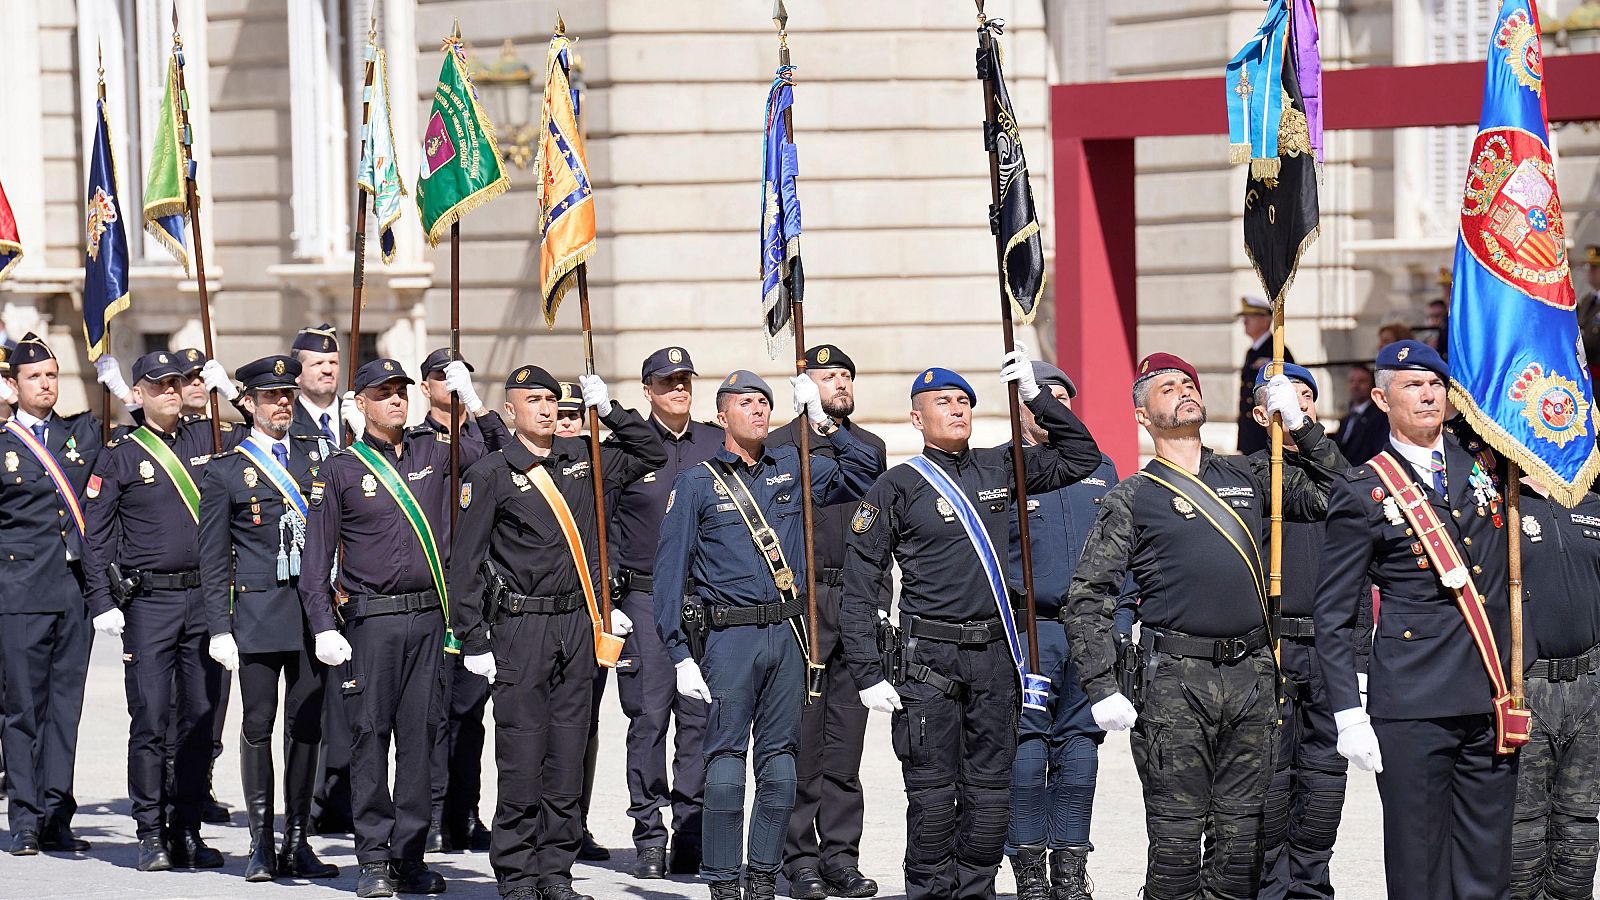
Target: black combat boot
x=761, y=886
x=1069, y=874
x=1033, y=882
x=255, y=770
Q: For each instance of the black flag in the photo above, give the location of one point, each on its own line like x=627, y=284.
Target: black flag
x=1014, y=220
x=1280, y=213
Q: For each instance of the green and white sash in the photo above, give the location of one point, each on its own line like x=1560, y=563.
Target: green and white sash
x=172, y=465
x=396, y=486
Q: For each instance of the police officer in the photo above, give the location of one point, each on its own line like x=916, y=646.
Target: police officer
x=645, y=683
x=570, y=423
x=1306, y=797
x=823, y=847
x=747, y=496
x=44, y=628
x=528, y=523
x=1191, y=528
x=1255, y=317
x=382, y=507
x=569, y=411
x=1447, y=795
x=1058, y=746
x=319, y=406
x=143, y=582
x=955, y=698
x=252, y=538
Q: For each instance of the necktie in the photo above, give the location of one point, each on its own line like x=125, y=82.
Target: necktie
x=328, y=432
x=40, y=429
x=1436, y=466
x=281, y=454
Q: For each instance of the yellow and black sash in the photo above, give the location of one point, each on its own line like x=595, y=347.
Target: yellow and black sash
x=1199, y=495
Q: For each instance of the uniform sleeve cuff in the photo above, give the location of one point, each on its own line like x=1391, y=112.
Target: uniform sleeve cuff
x=1347, y=718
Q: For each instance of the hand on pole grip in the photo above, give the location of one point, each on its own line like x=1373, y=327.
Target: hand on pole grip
x=808, y=399
x=216, y=379
x=595, y=394
x=109, y=374
x=353, y=419
x=1283, y=398
x=459, y=380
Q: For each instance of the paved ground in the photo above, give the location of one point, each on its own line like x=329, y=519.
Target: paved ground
x=107, y=871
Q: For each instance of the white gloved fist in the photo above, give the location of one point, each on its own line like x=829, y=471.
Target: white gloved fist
x=225, y=651
x=595, y=394
x=108, y=373
x=459, y=381
x=691, y=683
x=216, y=379
x=332, y=649
x=1357, y=741
x=1114, y=713
x=480, y=664
x=353, y=418
x=1017, y=367
x=808, y=399
x=110, y=623
x=1283, y=398
x=880, y=697
x=621, y=625
x=7, y=395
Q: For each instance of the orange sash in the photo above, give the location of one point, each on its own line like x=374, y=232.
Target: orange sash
x=607, y=646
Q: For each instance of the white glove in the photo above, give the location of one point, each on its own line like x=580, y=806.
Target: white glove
x=480, y=664
x=691, y=683
x=1357, y=741
x=332, y=649
x=225, y=651
x=1284, y=398
x=7, y=395
x=352, y=416
x=216, y=379
x=595, y=394
x=621, y=625
x=808, y=399
x=110, y=623
x=1114, y=713
x=108, y=373
x=881, y=697
x=1017, y=367
x=459, y=380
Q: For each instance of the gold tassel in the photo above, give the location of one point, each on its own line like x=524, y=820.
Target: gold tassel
x=1238, y=154
x=1262, y=169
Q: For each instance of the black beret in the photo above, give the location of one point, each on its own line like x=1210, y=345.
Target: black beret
x=828, y=356
x=533, y=377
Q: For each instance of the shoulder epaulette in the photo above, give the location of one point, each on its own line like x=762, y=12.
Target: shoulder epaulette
x=442, y=437
x=115, y=441
x=225, y=426
x=229, y=452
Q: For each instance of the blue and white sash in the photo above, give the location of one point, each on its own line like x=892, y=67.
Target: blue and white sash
x=292, y=524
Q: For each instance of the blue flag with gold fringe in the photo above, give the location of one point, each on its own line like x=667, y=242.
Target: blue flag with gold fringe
x=1517, y=367
x=783, y=280
x=105, y=257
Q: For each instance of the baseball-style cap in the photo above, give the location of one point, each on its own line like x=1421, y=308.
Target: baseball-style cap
x=154, y=366
x=379, y=371
x=666, y=361
x=440, y=358
x=568, y=399
x=191, y=360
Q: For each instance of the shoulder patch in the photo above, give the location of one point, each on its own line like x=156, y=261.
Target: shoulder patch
x=317, y=487
x=114, y=442
x=671, y=496
x=866, y=516
x=93, y=490
x=466, y=494
x=225, y=426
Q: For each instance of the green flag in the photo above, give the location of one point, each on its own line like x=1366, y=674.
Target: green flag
x=165, y=209
x=461, y=165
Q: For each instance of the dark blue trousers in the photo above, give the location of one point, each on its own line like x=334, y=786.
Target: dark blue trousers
x=1058, y=755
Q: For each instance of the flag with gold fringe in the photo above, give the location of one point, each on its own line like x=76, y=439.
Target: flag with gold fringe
x=1014, y=218
x=378, y=174
x=165, y=207
x=461, y=166
x=105, y=257
x=566, y=196
x=10, y=240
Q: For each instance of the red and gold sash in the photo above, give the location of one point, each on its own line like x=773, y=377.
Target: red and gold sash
x=69, y=499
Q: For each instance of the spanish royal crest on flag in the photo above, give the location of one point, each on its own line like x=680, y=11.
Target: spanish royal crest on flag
x=461, y=167
x=566, y=196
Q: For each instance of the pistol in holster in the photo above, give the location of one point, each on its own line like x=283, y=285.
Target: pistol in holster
x=891, y=652
x=123, y=589
x=494, y=588
x=696, y=626
x=1130, y=669
x=620, y=584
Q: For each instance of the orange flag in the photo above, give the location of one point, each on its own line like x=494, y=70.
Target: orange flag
x=566, y=196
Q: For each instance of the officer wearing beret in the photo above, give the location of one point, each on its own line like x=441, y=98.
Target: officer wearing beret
x=252, y=538
x=380, y=510
x=823, y=847
x=734, y=524
x=318, y=407
x=525, y=579
x=1447, y=795
x=645, y=682
x=569, y=411
x=44, y=626
x=1058, y=746
x=955, y=700
x=1207, y=730
x=143, y=582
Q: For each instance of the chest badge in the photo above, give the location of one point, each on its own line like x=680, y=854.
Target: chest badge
x=1532, y=528
x=520, y=480
x=147, y=471
x=1391, y=512
x=1183, y=507
x=251, y=479
x=315, y=456
x=12, y=462
x=369, y=485
x=947, y=511
x=72, y=450
x=648, y=477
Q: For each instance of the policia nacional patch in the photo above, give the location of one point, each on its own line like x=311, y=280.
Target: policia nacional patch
x=866, y=516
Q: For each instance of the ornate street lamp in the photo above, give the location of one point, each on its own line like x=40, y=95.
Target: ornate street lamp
x=506, y=88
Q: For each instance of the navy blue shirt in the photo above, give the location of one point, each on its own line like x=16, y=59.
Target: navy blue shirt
x=637, y=508
x=1058, y=527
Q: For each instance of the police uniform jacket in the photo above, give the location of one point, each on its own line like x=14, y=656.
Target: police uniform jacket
x=903, y=517
x=479, y=436
x=637, y=507
x=304, y=423
x=1424, y=663
x=1561, y=574
x=352, y=513
x=1058, y=525
x=134, y=513
x=704, y=537
x=1189, y=577
x=37, y=532
x=242, y=530
x=504, y=516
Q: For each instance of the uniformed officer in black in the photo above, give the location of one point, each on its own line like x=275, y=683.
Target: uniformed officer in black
x=389, y=649
x=319, y=408
x=1447, y=796
x=1255, y=317
x=1191, y=528
x=753, y=665
x=140, y=521
x=822, y=851
x=543, y=613
x=458, y=745
x=645, y=682
x=1554, y=836
x=44, y=623
x=569, y=411
x=955, y=721
x=252, y=541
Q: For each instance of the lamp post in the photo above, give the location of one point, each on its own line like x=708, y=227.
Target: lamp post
x=506, y=86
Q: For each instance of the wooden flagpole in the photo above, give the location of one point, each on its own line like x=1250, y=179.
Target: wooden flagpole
x=359, y=274
x=602, y=548
x=1513, y=489
x=105, y=392
x=192, y=202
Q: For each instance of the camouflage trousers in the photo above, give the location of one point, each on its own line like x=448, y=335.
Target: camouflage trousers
x=1554, y=833
x=1205, y=745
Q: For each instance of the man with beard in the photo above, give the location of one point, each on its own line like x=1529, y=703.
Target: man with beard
x=1191, y=528
x=822, y=852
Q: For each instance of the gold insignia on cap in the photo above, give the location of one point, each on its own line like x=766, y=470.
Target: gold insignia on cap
x=675, y=356
x=277, y=367
x=1404, y=352
x=927, y=377
x=822, y=356
x=732, y=378
x=1144, y=367
x=388, y=366
x=522, y=375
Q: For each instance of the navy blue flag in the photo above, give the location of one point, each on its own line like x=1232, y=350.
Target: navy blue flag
x=1014, y=219
x=105, y=258
x=783, y=282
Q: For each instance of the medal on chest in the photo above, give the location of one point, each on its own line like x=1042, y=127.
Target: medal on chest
x=945, y=510
x=251, y=478
x=12, y=461
x=521, y=481
x=72, y=450
x=1532, y=528
x=369, y=485
x=1183, y=507
x=147, y=471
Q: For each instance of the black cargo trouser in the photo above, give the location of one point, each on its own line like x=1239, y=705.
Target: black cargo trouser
x=164, y=657
x=1555, y=832
x=1306, y=799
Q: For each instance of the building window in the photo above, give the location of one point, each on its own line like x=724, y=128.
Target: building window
x=319, y=97
x=1455, y=31
x=153, y=341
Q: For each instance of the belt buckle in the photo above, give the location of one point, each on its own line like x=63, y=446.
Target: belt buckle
x=1236, y=649
x=1566, y=670
x=977, y=633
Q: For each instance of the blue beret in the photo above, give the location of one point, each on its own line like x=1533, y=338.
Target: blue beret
x=1298, y=373
x=1414, y=355
x=937, y=379
x=744, y=381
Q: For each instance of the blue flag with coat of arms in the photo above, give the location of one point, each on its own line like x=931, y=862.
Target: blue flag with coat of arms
x=105, y=257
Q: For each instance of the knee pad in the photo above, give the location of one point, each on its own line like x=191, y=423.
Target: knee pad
x=1173, y=867
x=931, y=817
x=1316, y=827
x=725, y=784
x=1031, y=763
x=776, y=781
x=1572, y=857
x=1275, y=810
x=1233, y=855
x=986, y=812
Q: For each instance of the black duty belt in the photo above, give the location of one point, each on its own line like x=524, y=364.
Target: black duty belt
x=521, y=604
x=762, y=614
x=831, y=577
x=167, y=581
x=1296, y=627
x=639, y=581
x=986, y=631
x=1569, y=669
x=1218, y=650
x=361, y=606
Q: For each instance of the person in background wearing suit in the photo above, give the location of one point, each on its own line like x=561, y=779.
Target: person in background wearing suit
x=1255, y=316
x=1365, y=429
